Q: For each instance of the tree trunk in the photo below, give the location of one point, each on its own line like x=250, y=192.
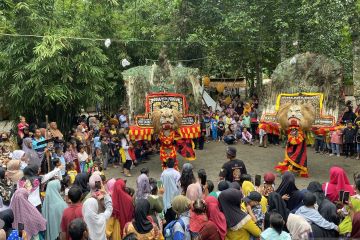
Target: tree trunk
x=258, y=79
x=354, y=22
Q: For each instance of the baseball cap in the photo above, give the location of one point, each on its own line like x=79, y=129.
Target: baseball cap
x=253, y=196
x=231, y=151
x=269, y=177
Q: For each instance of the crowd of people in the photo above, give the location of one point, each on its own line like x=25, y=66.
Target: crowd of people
x=53, y=185
x=176, y=205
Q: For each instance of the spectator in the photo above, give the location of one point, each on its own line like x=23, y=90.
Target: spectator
x=143, y=187
x=275, y=231
x=355, y=232
x=220, y=129
x=240, y=225
x=94, y=218
x=214, y=214
x=246, y=137
x=200, y=226
x=73, y=211
x=52, y=209
x=253, y=208
x=187, y=177
x=289, y=192
x=278, y=205
x=141, y=226
x=349, y=115
x=229, y=136
x=269, y=184
x=298, y=227
x=234, y=168
x=338, y=181
x=336, y=142
x=349, y=139
x=170, y=179
x=312, y=215
x=26, y=213
x=31, y=155
x=180, y=230
x=123, y=211
x=21, y=126
x=78, y=229
x=194, y=192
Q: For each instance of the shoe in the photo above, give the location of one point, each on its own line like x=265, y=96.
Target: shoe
x=338, y=155
x=331, y=154
x=357, y=158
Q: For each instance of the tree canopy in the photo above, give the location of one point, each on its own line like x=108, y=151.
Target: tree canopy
x=53, y=59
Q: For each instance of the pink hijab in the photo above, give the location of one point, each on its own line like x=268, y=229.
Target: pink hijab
x=338, y=181
x=194, y=192
x=110, y=186
x=26, y=213
x=214, y=214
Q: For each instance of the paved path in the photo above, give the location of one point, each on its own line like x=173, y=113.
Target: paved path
x=257, y=160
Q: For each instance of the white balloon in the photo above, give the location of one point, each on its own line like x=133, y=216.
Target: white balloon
x=107, y=42
x=125, y=62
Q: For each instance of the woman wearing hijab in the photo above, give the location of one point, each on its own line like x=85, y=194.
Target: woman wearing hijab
x=8, y=217
x=276, y=204
x=141, y=226
x=214, y=214
x=52, y=209
x=289, y=192
x=240, y=225
x=338, y=181
x=110, y=184
x=123, y=211
x=298, y=227
x=143, y=187
x=95, y=220
x=181, y=206
x=82, y=180
x=200, y=226
x=247, y=187
x=326, y=208
x=194, y=192
x=24, y=212
x=13, y=171
x=31, y=154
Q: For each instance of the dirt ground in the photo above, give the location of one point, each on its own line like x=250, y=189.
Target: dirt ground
x=257, y=160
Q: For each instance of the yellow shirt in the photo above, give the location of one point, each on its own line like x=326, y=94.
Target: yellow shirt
x=113, y=229
x=72, y=174
x=244, y=230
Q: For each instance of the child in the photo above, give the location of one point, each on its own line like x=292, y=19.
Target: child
x=220, y=129
x=214, y=123
x=207, y=121
x=105, y=150
x=57, y=165
x=269, y=184
x=228, y=120
x=60, y=155
x=83, y=157
x=275, y=231
x=71, y=172
x=253, y=207
x=112, y=130
x=336, y=141
x=319, y=143
x=246, y=137
x=349, y=139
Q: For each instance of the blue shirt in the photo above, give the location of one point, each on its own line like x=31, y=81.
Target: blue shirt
x=39, y=148
x=271, y=234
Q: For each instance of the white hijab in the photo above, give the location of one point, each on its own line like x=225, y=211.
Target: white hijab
x=95, y=221
x=298, y=227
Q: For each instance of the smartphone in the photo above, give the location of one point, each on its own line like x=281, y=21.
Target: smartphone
x=98, y=185
x=159, y=184
x=257, y=180
x=341, y=195
x=20, y=229
x=346, y=197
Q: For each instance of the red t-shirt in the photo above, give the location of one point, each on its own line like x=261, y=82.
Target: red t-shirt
x=72, y=212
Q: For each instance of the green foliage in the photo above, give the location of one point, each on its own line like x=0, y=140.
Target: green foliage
x=58, y=76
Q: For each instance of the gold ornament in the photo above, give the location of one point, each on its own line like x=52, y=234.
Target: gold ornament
x=206, y=81
x=220, y=88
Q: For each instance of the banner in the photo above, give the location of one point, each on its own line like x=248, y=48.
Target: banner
x=166, y=100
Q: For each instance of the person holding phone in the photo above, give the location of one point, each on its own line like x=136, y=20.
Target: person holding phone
x=351, y=206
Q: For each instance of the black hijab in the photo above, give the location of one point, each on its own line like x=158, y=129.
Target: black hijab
x=141, y=223
x=287, y=186
x=277, y=204
x=327, y=209
x=230, y=200
x=8, y=217
x=82, y=180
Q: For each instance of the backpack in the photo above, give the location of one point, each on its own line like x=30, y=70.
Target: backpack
x=169, y=229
